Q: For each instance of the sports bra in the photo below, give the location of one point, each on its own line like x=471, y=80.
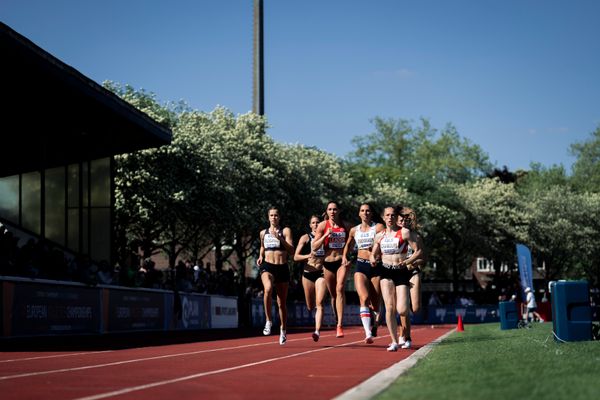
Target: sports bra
x=365, y=240
x=271, y=242
x=394, y=244
x=337, y=239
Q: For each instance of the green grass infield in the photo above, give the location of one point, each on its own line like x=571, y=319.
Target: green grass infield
x=484, y=362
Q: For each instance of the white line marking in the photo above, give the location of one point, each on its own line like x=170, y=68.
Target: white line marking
x=201, y=374
x=55, y=371
x=54, y=356
x=382, y=380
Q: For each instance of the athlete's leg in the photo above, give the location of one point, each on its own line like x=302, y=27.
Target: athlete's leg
x=340, y=290
x=375, y=297
x=309, y=293
x=415, y=293
x=361, y=282
x=402, y=306
x=330, y=280
x=321, y=292
x=282, y=290
x=388, y=291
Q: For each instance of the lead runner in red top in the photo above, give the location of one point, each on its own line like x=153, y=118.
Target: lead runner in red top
x=332, y=234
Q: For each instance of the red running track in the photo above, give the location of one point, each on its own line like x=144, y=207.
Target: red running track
x=247, y=368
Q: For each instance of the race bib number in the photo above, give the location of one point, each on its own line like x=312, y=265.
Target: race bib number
x=271, y=242
x=390, y=245
x=337, y=240
x=364, y=240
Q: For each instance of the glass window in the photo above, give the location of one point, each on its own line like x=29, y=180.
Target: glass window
x=73, y=185
x=84, y=183
x=84, y=231
x=100, y=234
x=31, y=202
x=9, y=198
x=100, y=182
x=55, y=205
x=73, y=235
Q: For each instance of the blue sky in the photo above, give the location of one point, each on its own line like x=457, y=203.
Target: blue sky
x=517, y=77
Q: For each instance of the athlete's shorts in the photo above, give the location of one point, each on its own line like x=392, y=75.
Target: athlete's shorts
x=332, y=266
x=415, y=271
x=280, y=272
x=400, y=275
x=312, y=275
x=364, y=267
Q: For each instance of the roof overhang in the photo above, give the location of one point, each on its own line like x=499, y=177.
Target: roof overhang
x=53, y=115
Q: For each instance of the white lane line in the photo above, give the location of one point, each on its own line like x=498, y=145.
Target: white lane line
x=56, y=371
x=382, y=380
x=54, y=356
x=201, y=374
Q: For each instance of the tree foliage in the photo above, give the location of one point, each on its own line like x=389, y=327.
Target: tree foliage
x=211, y=188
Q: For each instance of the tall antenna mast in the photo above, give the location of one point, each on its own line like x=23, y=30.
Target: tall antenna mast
x=258, y=84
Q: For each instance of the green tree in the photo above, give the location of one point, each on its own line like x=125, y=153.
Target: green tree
x=586, y=170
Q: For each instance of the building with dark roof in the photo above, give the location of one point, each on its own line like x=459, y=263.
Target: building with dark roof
x=60, y=131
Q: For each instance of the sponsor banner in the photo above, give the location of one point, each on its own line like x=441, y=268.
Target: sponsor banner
x=223, y=312
x=195, y=312
x=524, y=261
x=41, y=309
x=469, y=314
x=130, y=310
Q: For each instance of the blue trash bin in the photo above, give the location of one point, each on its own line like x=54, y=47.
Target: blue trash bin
x=509, y=316
x=571, y=311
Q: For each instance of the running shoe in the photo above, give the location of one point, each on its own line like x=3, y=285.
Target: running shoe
x=406, y=345
x=315, y=336
x=267, y=330
x=401, y=341
x=392, y=347
x=369, y=339
x=339, y=332
x=282, y=338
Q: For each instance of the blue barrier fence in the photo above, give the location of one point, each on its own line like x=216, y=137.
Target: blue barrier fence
x=35, y=308
x=298, y=314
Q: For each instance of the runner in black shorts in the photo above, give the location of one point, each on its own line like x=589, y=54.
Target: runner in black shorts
x=332, y=234
x=275, y=245
x=366, y=281
x=313, y=281
x=407, y=221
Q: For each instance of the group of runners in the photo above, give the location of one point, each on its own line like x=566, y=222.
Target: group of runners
x=389, y=255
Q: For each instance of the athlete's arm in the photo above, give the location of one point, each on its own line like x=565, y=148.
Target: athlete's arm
x=349, y=242
x=287, y=241
x=298, y=257
x=261, y=252
x=320, y=235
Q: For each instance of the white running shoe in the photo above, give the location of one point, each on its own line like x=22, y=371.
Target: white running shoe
x=393, y=347
x=406, y=344
x=282, y=338
x=315, y=336
x=369, y=339
x=401, y=341
x=267, y=330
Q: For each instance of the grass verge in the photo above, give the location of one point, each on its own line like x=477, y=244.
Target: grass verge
x=484, y=362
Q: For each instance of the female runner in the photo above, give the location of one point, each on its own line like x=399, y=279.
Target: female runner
x=332, y=235
x=366, y=276
x=392, y=247
x=313, y=280
x=275, y=245
x=407, y=221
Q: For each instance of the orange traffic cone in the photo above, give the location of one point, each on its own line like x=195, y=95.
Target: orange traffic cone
x=459, y=326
